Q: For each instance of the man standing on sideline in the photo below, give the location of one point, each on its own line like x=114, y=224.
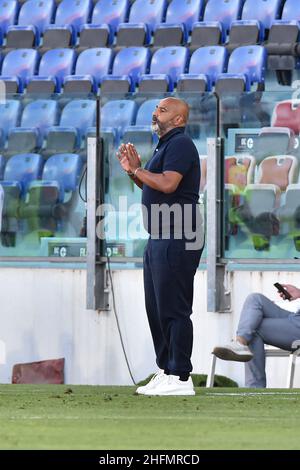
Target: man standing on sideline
x=169, y=180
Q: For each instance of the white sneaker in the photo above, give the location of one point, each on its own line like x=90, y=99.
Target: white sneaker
x=156, y=379
x=172, y=385
x=234, y=351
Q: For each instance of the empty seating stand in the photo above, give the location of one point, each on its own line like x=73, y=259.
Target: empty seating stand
x=166, y=66
x=37, y=117
x=70, y=16
x=91, y=66
x=180, y=17
x=143, y=17
x=246, y=67
x=129, y=65
x=48, y=199
x=55, y=65
x=19, y=171
x=17, y=67
x=106, y=17
x=205, y=65
x=217, y=19
x=34, y=17
x=256, y=20
x=76, y=118
x=117, y=115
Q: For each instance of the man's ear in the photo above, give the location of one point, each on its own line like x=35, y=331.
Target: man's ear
x=179, y=119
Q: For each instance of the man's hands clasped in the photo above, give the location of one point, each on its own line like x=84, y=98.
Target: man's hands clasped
x=129, y=159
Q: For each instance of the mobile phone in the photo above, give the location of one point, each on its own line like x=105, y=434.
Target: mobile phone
x=281, y=289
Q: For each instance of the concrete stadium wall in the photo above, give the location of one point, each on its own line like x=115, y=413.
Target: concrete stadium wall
x=43, y=316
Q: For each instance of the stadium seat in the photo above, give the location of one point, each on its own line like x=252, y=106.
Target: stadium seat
x=17, y=67
x=76, y=118
x=273, y=141
x=217, y=20
x=239, y=171
x=166, y=65
x=37, y=117
x=19, y=171
x=34, y=17
x=60, y=178
x=287, y=114
x=257, y=17
x=281, y=170
x=91, y=66
x=269, y=352
x=116, y=115
x=107, y=15
x=246, y=66
x=9, y=118
x=141, y=134
x=206, y=63
x=129, y=64
x=70, y=16
x=143, y=17
x=54, y=66
x=8, y=14
x=181, y=14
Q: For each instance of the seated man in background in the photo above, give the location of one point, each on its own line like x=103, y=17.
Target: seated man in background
x=261, y=322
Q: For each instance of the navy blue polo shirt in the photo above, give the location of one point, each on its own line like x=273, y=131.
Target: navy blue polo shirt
x=175, y=152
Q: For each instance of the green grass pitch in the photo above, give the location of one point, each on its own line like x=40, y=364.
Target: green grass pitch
x=93, y=417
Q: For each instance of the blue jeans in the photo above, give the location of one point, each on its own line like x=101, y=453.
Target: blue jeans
x=263, y=322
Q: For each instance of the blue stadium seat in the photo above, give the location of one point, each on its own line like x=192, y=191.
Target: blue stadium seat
x=17, y=67
x=181, y=15
x=143, y=18
x=70, y=16
x=54, y=66
x=265, y=11
x=206, y=63
x=61, y=173
x=8, y=14
x=34, y=17
x=91, y=66
x=166, y=66
x=257, y=17
x=77, y=116
x=107, y=15
x=129, y=64
x=246, y=66
x=216, y=23
x=37, y=117
x=19, y=171
x=141, y=134
x=116, y=115
x=9, y=118
x=48, y=200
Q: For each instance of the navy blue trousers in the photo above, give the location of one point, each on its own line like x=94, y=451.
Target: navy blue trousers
x=169, y=271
